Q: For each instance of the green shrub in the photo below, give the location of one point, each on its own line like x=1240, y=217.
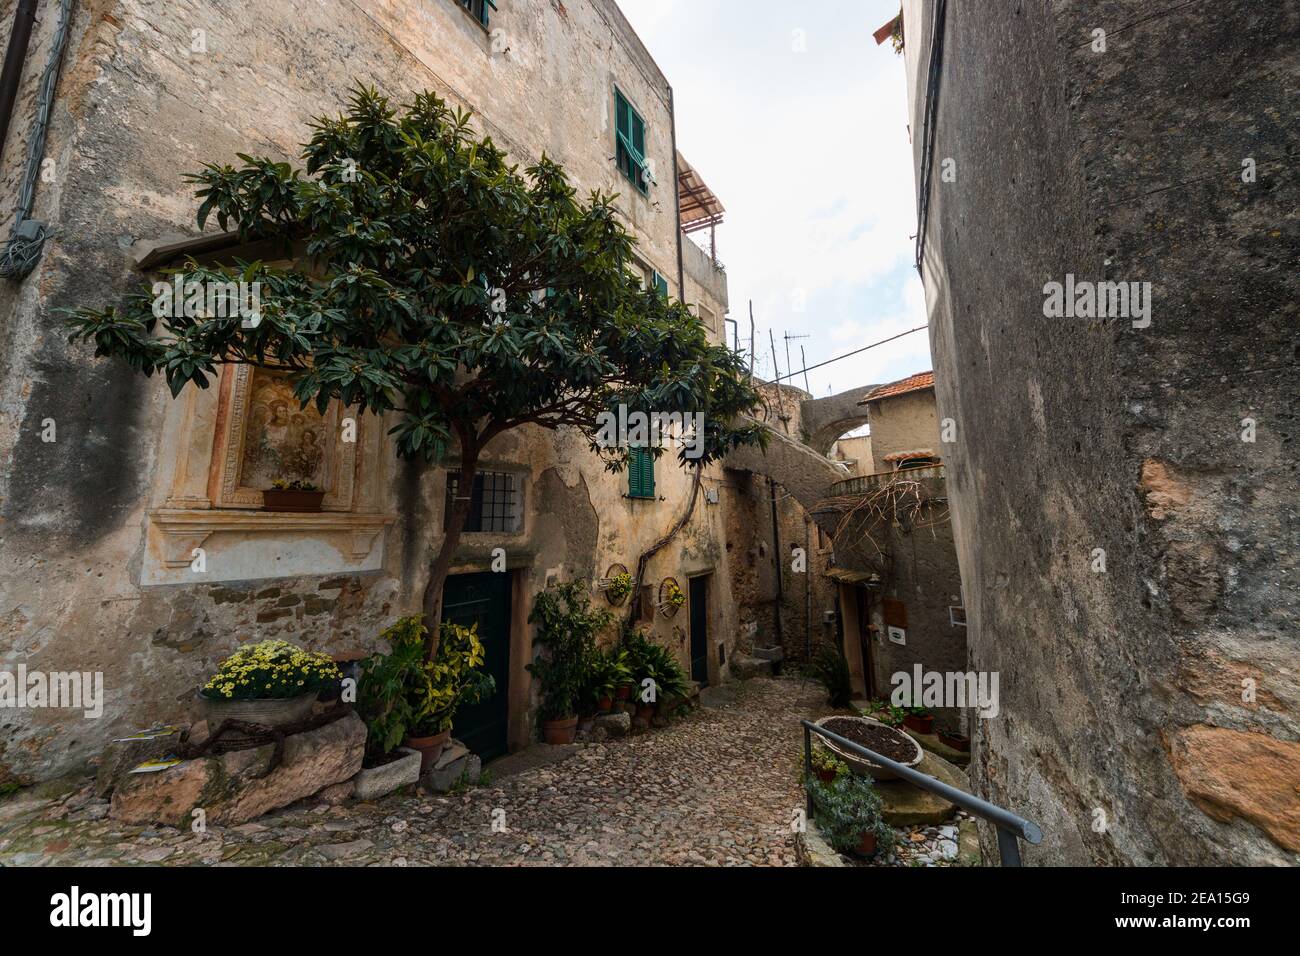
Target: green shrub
x=830, y=668
x=567, y=626
x=406, y=693
x=648, y=660
x=846, y=810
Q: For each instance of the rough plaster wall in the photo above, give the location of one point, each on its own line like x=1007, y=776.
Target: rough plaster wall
x=136, y=109
x=1121, y=691
x=857, y=450
x=706, y=285
x=903, y=423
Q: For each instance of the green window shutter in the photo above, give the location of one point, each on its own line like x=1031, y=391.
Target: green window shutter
x=661, y=284
x=629, y=136
x=640, y=473
x=638, y=136
x=622, y=116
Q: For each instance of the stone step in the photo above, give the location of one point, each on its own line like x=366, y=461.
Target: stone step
x=905, y=804
x=774, y=654
x=744, y=667
x=932, y=743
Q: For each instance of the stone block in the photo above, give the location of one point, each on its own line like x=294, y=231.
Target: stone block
x=120, y=756
x=812, y=850
x=744, y=667
x=906, y=805
x=614, y=725
x=374, y=782
x=464, y=769
x=228, y=787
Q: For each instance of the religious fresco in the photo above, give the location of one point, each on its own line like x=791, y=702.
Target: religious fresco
x=281, y=441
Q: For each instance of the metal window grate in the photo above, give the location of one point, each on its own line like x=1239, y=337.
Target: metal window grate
x=494, y=502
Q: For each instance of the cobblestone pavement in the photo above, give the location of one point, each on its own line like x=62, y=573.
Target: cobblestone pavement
x=719, y=787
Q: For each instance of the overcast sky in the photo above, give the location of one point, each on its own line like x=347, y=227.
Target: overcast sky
x=809, y=153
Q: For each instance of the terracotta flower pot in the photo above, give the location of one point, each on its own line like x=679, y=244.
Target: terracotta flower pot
x=922, y=725
x=560, y=731
x=430, y=748
x=605, y=705
x=866, y=846
x=623, y=693
x=825, y=776
x=276, y=499
x=646, y=712
x=955, y=741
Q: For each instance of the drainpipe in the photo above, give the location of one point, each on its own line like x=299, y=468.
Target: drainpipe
x=15, y=58
x=677, y=202
x=780, y=584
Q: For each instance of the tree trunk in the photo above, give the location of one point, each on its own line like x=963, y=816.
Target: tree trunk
x=634, y=606
x=450, y=541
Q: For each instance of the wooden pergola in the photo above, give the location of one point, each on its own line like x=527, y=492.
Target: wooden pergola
x=700, y=208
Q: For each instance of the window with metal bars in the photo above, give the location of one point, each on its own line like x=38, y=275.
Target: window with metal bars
x=478, y=9
x=629, y=133
x=495, y=502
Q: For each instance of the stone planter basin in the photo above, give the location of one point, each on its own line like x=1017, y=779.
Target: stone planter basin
x=273, y=713
x=864, y=767
x=375, y=782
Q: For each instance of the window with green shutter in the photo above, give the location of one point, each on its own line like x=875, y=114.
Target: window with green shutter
x=478, y=9
x=630, y=146
x=660, y=284
x=640, y=473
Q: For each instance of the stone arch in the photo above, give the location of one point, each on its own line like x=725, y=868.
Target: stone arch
x=826, y=419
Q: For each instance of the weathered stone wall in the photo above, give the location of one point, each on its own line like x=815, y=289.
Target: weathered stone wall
x=1122, y=691
x=137, y=107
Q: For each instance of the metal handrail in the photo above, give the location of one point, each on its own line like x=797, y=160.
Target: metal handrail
x=1009, y=825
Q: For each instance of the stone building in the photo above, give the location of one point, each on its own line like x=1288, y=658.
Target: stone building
x=895, y=565
x=1124, y=483
x=104, y=515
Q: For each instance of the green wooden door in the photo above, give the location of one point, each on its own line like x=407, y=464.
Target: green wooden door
x=484, y=599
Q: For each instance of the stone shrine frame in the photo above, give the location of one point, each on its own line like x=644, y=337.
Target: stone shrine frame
x=261, y=434
x=208, y=490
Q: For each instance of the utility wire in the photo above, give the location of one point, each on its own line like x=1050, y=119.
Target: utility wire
x=849, y=354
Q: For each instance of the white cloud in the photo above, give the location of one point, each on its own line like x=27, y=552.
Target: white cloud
x=809, y=152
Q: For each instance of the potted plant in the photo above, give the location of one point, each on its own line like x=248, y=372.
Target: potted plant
x=608, y=671
x=383, y=703
x=294, y=496
x=272, y=683
x=826, y=766
x=671, y=597
x=567, y=626
x=412, y=696
x=847, y=811
x=955, y=739
x=893, y=716
x=656, y=675
x=617, y=587
x=919, y=719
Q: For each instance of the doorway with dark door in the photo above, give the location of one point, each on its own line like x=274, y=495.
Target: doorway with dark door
x=484, y=599
x=863, y=598
x=699, y=598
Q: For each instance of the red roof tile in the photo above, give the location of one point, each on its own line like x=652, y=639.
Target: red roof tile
x=913, y=383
